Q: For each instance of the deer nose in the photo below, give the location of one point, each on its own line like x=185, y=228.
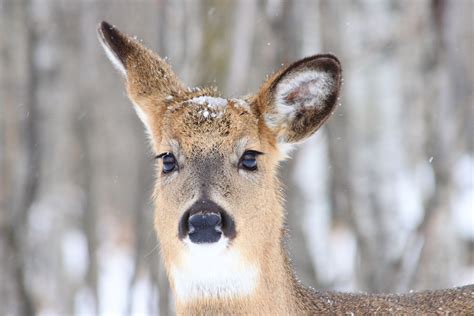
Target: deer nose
x=204, y=228
x=206, y=222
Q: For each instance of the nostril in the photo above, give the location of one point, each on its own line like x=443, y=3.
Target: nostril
x=204, y=227
x=204, y=221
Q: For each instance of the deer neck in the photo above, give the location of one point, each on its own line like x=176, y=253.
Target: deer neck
x=275, y=291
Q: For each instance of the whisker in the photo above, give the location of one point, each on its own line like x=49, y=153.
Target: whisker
x=154, y=248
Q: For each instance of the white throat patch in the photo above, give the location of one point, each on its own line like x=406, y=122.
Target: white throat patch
x=213, y=271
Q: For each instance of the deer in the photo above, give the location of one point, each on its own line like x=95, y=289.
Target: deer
x=219, y=215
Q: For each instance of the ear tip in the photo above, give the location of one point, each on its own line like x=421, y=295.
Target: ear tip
x=329, y=60
x=330, y=56
x=105, y=29
x=330, y=63
x=111, y=37
x=105, y=24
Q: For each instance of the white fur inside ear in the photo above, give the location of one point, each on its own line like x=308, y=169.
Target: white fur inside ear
x=305, y=89
x=144, y=118
x=213, y=271
x=286, y=149
x=113, y=58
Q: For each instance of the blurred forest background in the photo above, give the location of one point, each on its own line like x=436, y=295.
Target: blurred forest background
x=381, y=200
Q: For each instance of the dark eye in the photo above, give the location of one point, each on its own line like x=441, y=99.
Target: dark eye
x=248, y=161
x=169, y=162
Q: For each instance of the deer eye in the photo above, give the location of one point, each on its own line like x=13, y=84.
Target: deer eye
x=169, y=162
x=248, y=161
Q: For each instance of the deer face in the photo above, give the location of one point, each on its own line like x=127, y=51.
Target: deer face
x=218, y=210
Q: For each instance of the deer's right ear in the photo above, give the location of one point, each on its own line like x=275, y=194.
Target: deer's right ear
x=112, y=42
x=147, y=74
x=150, y=80
x=298, y=99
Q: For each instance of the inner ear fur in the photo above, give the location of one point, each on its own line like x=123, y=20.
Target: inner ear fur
x=299, y=98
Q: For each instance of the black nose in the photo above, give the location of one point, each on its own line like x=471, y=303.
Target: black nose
x=206, y=222
x=203, y=221
x=204, y=228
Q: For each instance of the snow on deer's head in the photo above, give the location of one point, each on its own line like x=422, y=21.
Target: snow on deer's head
x=218, y=211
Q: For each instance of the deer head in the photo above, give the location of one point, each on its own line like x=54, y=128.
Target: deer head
x=219, y=216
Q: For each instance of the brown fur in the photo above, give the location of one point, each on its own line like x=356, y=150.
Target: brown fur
x=208, y=151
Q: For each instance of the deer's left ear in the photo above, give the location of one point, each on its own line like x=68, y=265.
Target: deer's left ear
x=298, y=99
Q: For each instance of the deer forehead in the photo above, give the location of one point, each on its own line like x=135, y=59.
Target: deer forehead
x=205, y=121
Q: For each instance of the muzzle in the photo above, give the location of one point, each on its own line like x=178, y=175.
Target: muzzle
x=206, y=222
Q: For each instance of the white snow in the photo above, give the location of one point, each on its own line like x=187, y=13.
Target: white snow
x=409, y=201
x=425, y=179
x=240, y=103
x=116, y=267
x=333, y=251
x=463, y=203
x=142, y=296
x=40, y=219
x=75, y=254
x=342, y=253
x=212, y=102
x=84, y=302
x=45, y=56
x=47, y=311
x=213, y=106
